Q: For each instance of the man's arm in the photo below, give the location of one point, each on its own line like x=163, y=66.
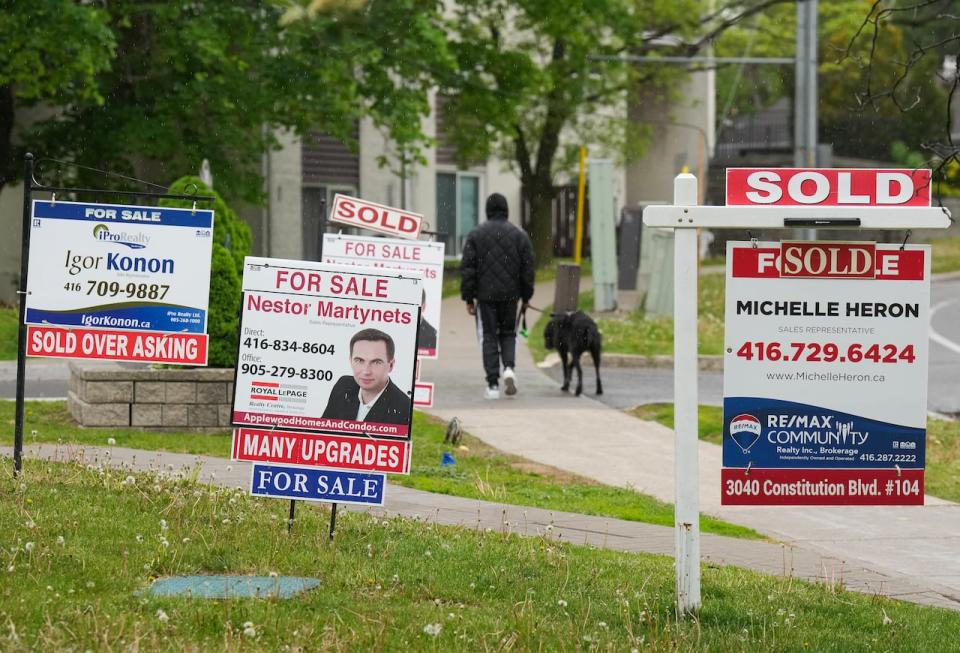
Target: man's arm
x=468, y=271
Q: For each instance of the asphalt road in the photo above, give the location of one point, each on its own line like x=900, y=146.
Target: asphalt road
x=944, y=390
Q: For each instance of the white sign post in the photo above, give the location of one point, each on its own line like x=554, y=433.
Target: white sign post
x=813, y=200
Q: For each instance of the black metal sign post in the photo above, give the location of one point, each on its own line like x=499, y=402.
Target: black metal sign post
x=22, y=297
x=30, y=186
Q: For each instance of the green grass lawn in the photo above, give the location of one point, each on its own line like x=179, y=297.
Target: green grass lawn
x=481, y=472
x=78, y=546
x=8, y=333
x=942, y=478
x=451, y=274
x=946, y=254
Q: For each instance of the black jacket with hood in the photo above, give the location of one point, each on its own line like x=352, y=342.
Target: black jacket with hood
x=498, y=263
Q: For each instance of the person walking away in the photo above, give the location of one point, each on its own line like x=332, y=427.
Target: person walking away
x=497, y=272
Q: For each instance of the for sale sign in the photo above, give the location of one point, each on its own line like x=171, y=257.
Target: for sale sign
x=828, y=187
x=423, y=258
x=825, y=373
x=315, y=484
x=327, y=348
x=116, y=282
x=375, y=217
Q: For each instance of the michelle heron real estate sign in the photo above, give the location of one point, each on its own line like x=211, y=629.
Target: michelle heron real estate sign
x=825, y=373
x=118, y=282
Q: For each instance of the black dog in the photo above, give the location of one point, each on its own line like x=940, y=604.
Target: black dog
x=573, y=334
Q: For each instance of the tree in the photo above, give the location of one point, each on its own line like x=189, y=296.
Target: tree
x=931, y=34
x=195, y=79
x=53, y=52
x=529, y=87
x=855, y=125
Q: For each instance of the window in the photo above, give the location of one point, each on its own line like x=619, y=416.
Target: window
x=458, y=208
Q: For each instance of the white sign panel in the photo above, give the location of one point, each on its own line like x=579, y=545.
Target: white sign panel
x=825, y=373
x=327, y=348
x=423, y=258
x=118, y=269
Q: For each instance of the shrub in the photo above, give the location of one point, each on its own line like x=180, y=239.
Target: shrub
x=231, y=243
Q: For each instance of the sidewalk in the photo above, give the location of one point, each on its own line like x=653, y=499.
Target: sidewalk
x=601, y=532
x=910, y=544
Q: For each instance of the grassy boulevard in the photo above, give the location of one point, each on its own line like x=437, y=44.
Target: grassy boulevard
x=481, y=472
x=79, y=544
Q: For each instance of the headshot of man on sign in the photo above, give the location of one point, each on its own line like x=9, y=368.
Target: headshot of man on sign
x=369, y=395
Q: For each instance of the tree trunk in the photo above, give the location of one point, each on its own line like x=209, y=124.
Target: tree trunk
x=539, y=192
x=7, y=166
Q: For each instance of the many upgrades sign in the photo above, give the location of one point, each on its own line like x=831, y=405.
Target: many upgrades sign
x=423, y=258
x=118, y=282
x=825, y=373
x=327, y=348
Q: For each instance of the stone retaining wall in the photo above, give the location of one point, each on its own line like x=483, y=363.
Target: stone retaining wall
x=175, y=399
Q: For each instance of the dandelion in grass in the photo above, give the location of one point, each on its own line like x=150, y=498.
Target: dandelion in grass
x=602, y=624
x=164, y=542
x=60, y=540
x=562, y=603
x=433, y=629
x=886, y=620
x=11, y=569
x=163, y=524
x=129, y=481
x=162, y=616
x=139, y=537
x=29, y=524
x=28, y=547
x=249, y=629
x=91, y=584
x=111, y=441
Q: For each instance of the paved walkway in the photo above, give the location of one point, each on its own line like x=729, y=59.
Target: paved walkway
x=918, y=545
x=601, y=532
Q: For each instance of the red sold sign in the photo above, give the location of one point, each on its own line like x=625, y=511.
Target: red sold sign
x=827, y=187
x=375, y=217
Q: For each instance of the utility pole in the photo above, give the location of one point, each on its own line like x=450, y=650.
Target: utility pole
x=805, y=91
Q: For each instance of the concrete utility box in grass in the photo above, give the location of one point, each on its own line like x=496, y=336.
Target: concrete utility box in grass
x=656, y=271
x=603, y=237
x=566, y=294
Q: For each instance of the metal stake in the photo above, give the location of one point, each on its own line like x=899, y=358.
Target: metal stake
x=22, y=296
x=333, y=520
x=293, y=508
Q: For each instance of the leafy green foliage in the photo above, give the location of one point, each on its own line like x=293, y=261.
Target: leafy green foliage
x=231, y=243
x=214, y=79
x=863, y=104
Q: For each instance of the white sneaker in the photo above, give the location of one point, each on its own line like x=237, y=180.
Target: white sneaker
x=510, y=380
x=492, y=392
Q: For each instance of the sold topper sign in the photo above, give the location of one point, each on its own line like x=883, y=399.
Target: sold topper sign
x=828, y=187
x=375, y=217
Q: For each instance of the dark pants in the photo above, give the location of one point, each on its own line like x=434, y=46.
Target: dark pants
x=497, y=324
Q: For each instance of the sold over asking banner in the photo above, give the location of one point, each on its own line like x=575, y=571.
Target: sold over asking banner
x=327, y=348
x=825, y=373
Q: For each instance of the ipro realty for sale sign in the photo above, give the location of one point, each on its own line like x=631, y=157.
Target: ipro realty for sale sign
x=825, y=373
x=118, y=282
x=327, y=348
x=419, y=257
